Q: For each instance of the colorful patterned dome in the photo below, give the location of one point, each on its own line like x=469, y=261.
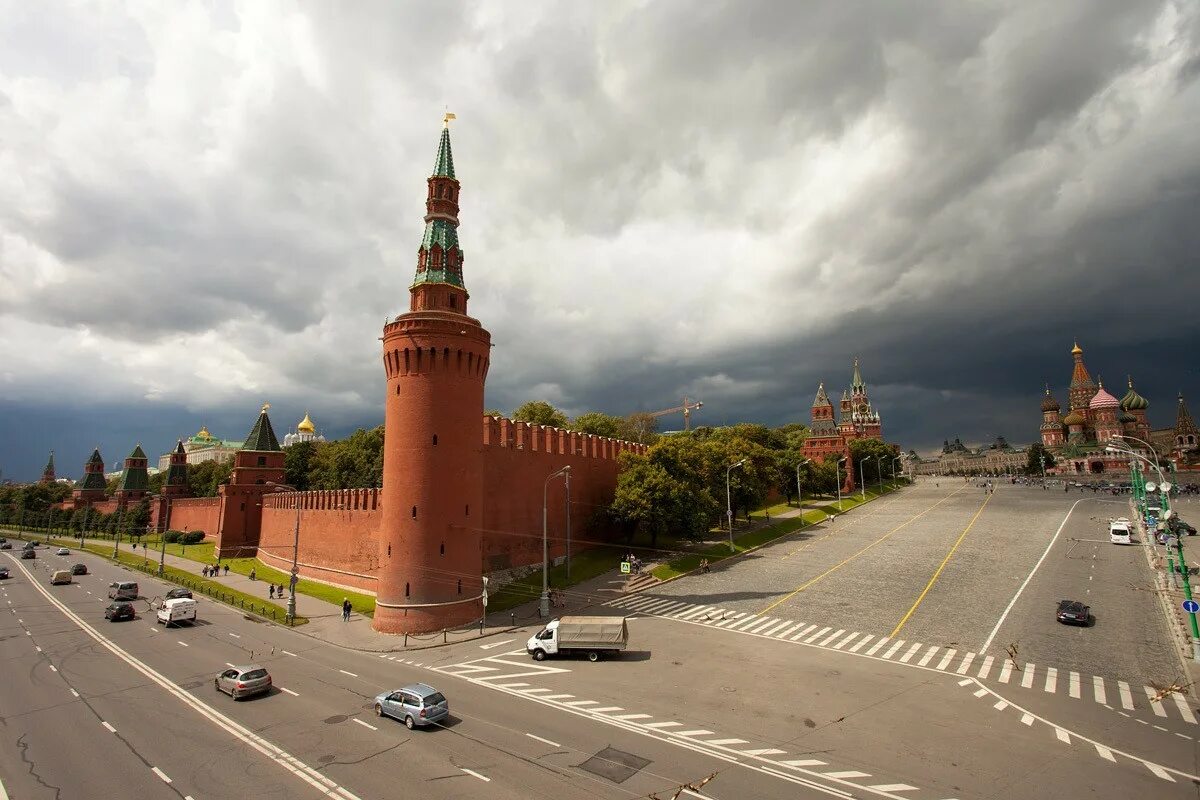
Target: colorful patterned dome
x=1074, y=418
x=1102, y=399
x=1049, y=403
x=1125, y=417
x=1132, y=401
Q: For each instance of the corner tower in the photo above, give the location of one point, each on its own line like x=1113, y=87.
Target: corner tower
x=436, y=360
x=48, y=471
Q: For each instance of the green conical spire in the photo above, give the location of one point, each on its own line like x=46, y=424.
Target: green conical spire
x=857, y=381
x=49, y=470
x=262, y=435
x=138, y=452
x=444, y=166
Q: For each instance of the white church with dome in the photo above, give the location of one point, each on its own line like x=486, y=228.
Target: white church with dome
x=305, y=431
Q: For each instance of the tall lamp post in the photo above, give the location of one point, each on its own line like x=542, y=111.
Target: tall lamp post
x=862, y=483
x=799, y=494
x=729, y=499
x=544, y=604
x=1042, y=457
x=894, y=460
x=879, y=468
x=290, y=614
x=567, y=481
x=837, y=479
x=117, y=537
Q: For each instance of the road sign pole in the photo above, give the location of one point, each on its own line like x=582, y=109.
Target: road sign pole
x=1187, y=592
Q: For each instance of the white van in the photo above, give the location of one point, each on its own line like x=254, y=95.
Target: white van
x=1118, y=531
x=177, y=609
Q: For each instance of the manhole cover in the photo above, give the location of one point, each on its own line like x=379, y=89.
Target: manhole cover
x=335, y=719
x=616, y=765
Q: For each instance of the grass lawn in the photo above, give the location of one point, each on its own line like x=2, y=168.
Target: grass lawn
x=585, y=565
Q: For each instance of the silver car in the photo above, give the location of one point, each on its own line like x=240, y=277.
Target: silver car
x=239, y=682
x=416, y=705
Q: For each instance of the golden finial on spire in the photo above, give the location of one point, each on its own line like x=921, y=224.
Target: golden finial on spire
x=265, y=406
x=449, y=115
x=1076, y=350
x=1130, y=377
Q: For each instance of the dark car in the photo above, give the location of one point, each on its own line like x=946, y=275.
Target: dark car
x=1073, y=612
x=28, y=554
x=29, y=546
x=1184, y=527
x=79, y=569
x=178, y=591
x=3, y=572
x=5, y=545
x=118, y=611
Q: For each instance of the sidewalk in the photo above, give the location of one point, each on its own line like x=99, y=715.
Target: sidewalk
x=1171, y=600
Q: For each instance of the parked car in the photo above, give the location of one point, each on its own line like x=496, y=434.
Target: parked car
x=119, y=611
x=79, y=569
x=178, y=592
x=1073, y=612
x=28, y=554
x=3, y=572
x=416, y=706
x=5, y=545
x=239, y=682
x=60, y=576
x=62, y=551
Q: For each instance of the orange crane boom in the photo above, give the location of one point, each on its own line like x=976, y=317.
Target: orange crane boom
x=687, y=408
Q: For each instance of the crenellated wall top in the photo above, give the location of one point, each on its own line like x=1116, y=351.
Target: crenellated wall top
x=529, y=437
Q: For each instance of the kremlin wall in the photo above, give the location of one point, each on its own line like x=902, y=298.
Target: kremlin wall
x=462, y=494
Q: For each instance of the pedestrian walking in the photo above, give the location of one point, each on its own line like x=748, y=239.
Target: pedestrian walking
x=253, y=574
x=271, y=591
x=346, y=609
x=704, y=565
x=227, y=570
x=204, y=571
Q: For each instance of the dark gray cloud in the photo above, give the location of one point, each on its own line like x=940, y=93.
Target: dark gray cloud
x=207, y=208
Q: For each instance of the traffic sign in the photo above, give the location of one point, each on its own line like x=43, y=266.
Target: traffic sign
x=1191, y=606
x=625, y=566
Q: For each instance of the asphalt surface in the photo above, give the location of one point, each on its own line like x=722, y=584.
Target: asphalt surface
x=750, y=697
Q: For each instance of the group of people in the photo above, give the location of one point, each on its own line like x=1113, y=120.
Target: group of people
x=214, y=571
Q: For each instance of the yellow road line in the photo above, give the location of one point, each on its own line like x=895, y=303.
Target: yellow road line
x=874, y=512
x=941, y=566
x=843, y=563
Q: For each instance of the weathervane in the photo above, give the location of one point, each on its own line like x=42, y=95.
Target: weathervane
x=446, y=119
x=265, y=407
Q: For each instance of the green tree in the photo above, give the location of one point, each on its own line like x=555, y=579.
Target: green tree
x=298, y=463
x=203, y=479
x=598, y=423
x=640, y=427
x=491, y=412
x=650, y=500
x=156, y=481
x=355, y=462
x=539, y=412
x=875, y=456
x=1033, y=464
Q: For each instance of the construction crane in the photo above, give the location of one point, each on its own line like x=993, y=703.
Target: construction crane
x=687, y=408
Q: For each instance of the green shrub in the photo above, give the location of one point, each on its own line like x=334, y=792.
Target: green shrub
x=171, y=537
x=191, y=537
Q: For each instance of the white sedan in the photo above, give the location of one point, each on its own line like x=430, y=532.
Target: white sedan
x=62, y=551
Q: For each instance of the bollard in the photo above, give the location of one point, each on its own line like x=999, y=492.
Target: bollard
x=406, y=638
x=514, y=619
x=481, y=626
x=443, y=635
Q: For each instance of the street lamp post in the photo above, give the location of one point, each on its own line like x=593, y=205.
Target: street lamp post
x=544, y=604
x=293, y=578
x=862, y=483
x=837, y=475
x=117, y=536
x=567, y=481
x=729, y=499
x=879, y=467
x=799, y=494
x=1042, y=457
x=162, y=552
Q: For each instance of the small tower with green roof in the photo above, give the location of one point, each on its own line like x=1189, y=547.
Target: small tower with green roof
x=257, y=466
x=93, y=488
x=48, y=471
x=135, y=478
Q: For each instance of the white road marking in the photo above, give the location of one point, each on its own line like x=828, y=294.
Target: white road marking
x=632, y=716
x=1184, y=710
x=817, y=635
x=543, y=741
x=37, y=648
x=750, y=620
x=766, y=751
x=981, y=692
x=1051, y=680
x=1105, y=753
x=1006, y=671
x=733, y=616
x=1027, y=675
x=511, y=685
x=663, y=725
x=534, y=691
x=694, y=611
x=230, y=665
x=185, y=644
x=1062, y=735
x=966, y=664
x=558, y=696
x=693, y=733
x=727, y=741
x=804, y=762
x=1159, y=772
x=235, y=635
x=845, y=641
x=861, y=642
x=495, y=644
x=965, y=682
x=825, y=642
x=845, y=774
x=988, y=642
x=160, y=774
x=75, y=693
x=772, y=630
x=911, y=652
x=364, y=724
x=344, y=672
x=947, y=657
x=289, y=691
x=288, y=653
x=1027, y=718
x=895, y=646
x=606, y=709
x=783, y=634
x=1126, y=695
x=925, y=659
x=53, y=668
x=893, y=787
x=475, y=774
x=1098, y=690
x=986, y=668
x=578, y=703
x=1155, y=704
x=1073, y=685
x=108, y=727
x=803, y=632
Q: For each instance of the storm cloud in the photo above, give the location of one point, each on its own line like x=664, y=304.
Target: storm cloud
x=206, y=206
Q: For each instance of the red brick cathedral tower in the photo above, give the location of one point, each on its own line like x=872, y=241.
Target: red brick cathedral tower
x=436, y=359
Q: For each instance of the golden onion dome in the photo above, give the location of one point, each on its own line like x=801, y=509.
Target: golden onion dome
x=306, y=425
x=1076, y=350
x=203, y=434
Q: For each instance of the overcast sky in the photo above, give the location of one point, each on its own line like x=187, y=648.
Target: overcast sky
x=209, y=205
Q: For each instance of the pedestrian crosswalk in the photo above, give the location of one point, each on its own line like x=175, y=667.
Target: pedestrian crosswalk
x=1044, y=679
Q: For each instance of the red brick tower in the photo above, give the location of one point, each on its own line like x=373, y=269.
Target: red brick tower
x=1082, y=390
x=48, y=472
x=135, y=479
x=259, y=462
x=174, y=485
x=1052, y=427
x=93, y=487
x=436, y=359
